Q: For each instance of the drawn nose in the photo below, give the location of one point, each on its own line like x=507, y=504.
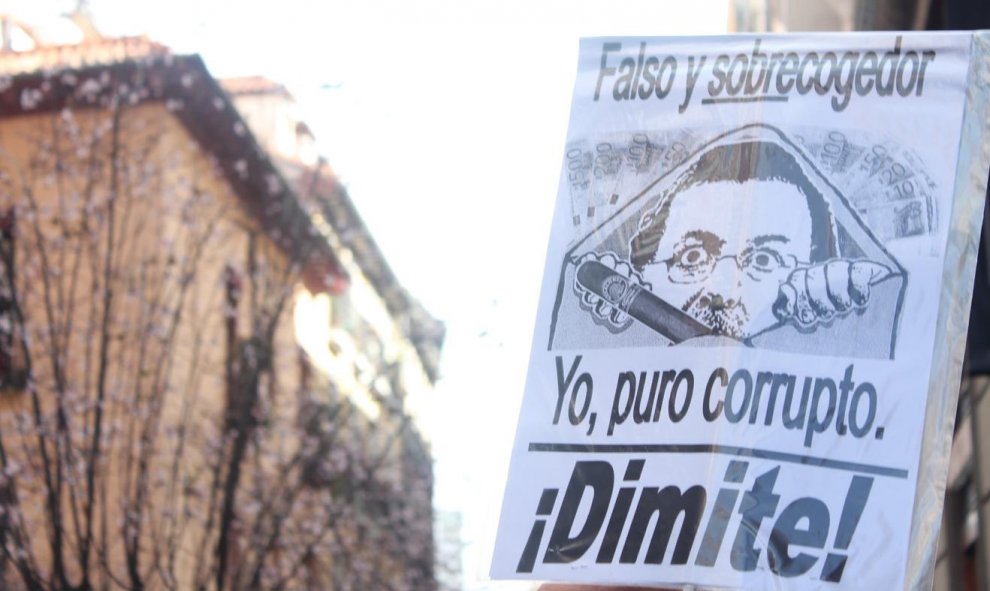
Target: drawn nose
x=726, y=274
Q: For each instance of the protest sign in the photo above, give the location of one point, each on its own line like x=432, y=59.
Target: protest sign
x=751, y=326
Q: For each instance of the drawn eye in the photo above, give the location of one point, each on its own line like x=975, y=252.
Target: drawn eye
x=692, y=261
x=765, y=261
x=692, y=257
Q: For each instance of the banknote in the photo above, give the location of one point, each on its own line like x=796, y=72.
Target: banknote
x=886, y=183
x=602, y=173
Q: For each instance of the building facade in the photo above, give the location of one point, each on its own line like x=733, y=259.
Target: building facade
x=210, y=376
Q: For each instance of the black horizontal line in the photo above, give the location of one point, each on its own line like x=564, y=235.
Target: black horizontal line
x=764, y=454
x=744, y=99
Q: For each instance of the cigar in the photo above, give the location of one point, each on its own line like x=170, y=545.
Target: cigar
x=639, y=303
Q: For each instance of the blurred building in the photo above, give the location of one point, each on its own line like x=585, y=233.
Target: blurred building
x=210, y=375
x=778, y=16
x=373, y=341
x=963, y=558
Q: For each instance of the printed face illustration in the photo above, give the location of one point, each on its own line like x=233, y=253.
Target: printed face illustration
x=726, y=248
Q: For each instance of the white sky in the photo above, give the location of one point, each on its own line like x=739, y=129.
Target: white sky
x=446, y=119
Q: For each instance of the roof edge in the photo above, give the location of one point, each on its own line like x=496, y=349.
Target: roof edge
x=186, y=88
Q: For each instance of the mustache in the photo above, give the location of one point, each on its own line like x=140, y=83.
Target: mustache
x=725, y=316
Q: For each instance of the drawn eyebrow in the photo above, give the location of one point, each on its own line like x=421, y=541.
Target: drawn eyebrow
x=706, y=238
x=761, y=240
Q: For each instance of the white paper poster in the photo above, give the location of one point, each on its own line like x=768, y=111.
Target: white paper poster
x=749, y=325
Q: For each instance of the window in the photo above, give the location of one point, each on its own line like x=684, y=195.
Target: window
x=13, y=369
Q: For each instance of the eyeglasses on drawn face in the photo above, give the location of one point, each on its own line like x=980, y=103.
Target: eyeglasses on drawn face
x=694, y=261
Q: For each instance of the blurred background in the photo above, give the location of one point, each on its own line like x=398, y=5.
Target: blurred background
x=433, y=132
